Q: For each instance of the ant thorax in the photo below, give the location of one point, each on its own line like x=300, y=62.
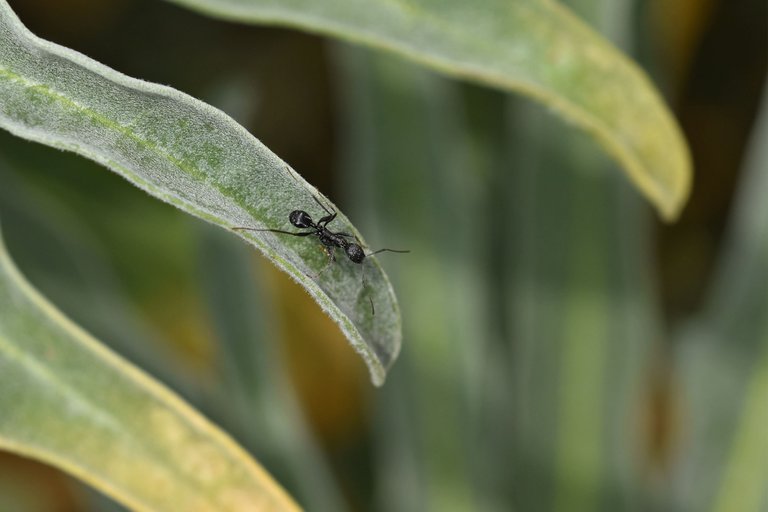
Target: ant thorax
x=331, y=239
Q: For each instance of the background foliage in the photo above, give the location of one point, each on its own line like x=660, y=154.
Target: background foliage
x=562, y=350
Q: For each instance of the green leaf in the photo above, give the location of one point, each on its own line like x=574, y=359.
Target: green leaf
x=535, y=47
x=723, y=354
x=263, y=407
x=196, y=158
x=543, y=337
x=70, y=402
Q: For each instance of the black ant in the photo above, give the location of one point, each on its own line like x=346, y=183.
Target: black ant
x=329, y=239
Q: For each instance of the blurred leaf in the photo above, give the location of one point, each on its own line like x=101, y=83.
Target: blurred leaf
x=723, y=464
x=68, y=401
x=531, y=308
x=260, y=405
x=70, y=266
x=407, y=156
x=582, y=315
x=194, y=157
x=582, y=321
x=536, y=47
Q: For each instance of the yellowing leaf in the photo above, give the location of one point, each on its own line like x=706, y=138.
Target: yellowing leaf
x=67, y=400
x=536, y=47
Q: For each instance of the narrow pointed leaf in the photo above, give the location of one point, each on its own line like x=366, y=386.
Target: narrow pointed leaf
x=196, y=158
x=535, y=47
x=70, y=402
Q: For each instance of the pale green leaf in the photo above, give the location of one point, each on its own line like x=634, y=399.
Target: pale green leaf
x=536, y=47
x=70, y=402
x=196, y=158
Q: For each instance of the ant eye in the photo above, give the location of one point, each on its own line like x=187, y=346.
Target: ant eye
x=300, y=219
x=355, y=253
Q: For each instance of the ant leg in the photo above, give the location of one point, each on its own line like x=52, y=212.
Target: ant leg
x=325, y=220
x=331, y=213
x=347, y=235
x=364, y=285
x=327, y=209
x=296, y=233
x=331, y=260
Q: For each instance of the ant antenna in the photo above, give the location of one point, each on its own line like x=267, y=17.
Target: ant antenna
x=362, y=272
x=317, y=200
x=388, y=250
x=364, y=283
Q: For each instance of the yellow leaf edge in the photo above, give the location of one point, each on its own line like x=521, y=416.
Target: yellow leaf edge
x=143, y=381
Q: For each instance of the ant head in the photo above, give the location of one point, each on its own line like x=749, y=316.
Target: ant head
x=355, y=253
x=301, y=219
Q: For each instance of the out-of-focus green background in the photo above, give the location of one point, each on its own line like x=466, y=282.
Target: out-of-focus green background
x=563, y=350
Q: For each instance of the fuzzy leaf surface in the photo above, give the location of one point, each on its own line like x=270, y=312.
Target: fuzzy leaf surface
x=197, y=158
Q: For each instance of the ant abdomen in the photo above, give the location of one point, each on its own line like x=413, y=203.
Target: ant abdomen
x=355, y=253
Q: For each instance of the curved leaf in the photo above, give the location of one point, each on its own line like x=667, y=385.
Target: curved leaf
x=196, y=158
x=536, y=47
x=69, y=401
